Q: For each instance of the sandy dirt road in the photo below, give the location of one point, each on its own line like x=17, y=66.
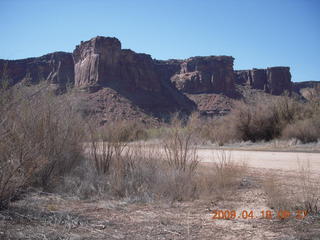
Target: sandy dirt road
x=287, y=161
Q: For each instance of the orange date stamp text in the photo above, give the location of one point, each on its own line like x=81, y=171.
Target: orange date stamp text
x=264, y=214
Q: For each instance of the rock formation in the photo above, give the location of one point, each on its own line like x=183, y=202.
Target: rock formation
x=279, y=80
x=213, y=74
x=101, y=62
x=273, y=80
x=297, y=86
x=56, y=68
x=112, y=76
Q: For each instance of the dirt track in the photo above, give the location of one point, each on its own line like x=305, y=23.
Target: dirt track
x=266, y=159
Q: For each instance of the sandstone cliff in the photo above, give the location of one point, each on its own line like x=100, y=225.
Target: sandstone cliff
x=56, y=68
x=101, y=62
x=118, y=82
x=273, y=80
x=297, y=86
x=213, y=74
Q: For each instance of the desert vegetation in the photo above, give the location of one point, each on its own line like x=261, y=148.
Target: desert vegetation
x=41, y=140
x=267, y=118
x=46, y=145
x=303, y=194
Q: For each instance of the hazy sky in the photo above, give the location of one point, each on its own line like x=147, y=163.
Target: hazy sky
x=257, y=33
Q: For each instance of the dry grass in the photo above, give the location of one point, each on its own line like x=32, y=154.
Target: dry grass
x=277, y=194
x=220, y=180
x=309, y=197
x=303, y=194
x=180, y=149
x=143, y=172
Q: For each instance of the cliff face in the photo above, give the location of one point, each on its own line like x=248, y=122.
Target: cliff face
x=55, y=68
x=297, y=86
x=212, y=74
x=273, y=80
x=101, y=62
x=279, y=80
x=94, y=61
x=115, y=76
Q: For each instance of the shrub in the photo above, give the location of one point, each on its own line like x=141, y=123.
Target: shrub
x=106, y=144
x=303, y=195
x=51, y=125
x=139, y=173
x=310, y=194
x=224, y=176
x=265, y=119
x=307, y=130
x=143, y=171
x=41, y=140
x=277, y=198
x=179, y=147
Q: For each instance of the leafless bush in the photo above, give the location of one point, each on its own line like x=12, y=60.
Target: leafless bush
x=307, y=130
x=303, y=195
x=180, y=149
x=40, y=141
x=106, y=144
x=221, y=131
x=142, y=172
x=17, y=165
x=139, y=173
x=310, y=194
x=267, y=119
x=223, y=176
x=306, y=127
x=52, y=126
x=277, y=196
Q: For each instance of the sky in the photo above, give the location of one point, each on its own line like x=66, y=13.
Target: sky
x=257, y=33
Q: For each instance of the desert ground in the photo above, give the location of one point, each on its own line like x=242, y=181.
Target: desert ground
x=271, y=160
x=41, y=215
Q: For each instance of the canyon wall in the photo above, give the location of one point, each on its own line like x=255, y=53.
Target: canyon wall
x=101, y=62
x=273, y=80
x=56, y=68
x=213, y=74
x=154, y=86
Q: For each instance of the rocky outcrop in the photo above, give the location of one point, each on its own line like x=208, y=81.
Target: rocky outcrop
x=213, y=74
x=56, y=68
x=115, y=76
x=297, y=86
x=101, y=62
x=94, y=61
x=273, y=80
x=279, y=80
x=167, y=68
